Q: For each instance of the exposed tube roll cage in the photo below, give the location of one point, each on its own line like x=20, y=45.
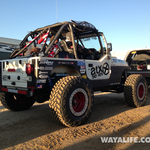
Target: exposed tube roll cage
x=52, y=42
x=58, y=34
x=69, y=28
x=28, y=43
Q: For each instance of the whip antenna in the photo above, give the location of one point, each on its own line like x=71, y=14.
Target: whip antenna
x=56, y=12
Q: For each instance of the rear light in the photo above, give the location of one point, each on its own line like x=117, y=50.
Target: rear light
x=29, y=68
x=141, y=67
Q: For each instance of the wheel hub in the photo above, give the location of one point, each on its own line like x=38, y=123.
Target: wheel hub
x=78, y=102
x=141, y=91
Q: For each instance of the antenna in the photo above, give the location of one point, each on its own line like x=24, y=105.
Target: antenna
x=146, y=36
x=56, y=12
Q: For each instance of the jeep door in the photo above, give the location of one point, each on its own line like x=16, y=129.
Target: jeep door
x=98, y=68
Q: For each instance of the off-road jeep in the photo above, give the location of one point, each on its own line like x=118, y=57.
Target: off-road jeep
x=139, y=62
x=69, y=79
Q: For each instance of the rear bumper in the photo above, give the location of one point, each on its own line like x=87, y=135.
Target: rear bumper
x=24, y=92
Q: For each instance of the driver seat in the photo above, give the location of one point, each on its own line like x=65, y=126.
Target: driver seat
x=65, y=47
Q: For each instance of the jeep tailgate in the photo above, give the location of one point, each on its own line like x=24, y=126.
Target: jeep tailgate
x=14, y=73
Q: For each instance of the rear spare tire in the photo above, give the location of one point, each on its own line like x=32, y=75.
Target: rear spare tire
x=143, y=57
x=136, y=90
x=71, y=100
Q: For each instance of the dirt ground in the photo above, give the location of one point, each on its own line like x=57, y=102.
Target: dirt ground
x=112, y=117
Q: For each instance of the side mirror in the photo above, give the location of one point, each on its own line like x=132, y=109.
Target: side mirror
x=109, y=47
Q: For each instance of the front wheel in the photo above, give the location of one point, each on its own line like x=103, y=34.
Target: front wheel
x=16, y=102
x=136, y=90
x=71, y=100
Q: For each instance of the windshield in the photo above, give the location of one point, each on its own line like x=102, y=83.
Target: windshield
x=91, y=42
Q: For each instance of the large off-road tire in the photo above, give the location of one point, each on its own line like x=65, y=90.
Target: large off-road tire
x=136, y=90
x=16, y=102
x=71, y=100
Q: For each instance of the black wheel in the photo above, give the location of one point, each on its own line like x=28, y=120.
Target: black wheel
x=16, y=102
x=136, y=90
x=71, y=100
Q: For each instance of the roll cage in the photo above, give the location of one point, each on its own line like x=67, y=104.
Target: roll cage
x=78, y=31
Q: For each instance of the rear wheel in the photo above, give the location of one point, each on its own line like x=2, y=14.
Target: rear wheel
x=71, y=100
x=16, y=102
x=136, y=90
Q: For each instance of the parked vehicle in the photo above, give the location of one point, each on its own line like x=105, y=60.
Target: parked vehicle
x=139, y=62
x=7, y=46
x=69, y=78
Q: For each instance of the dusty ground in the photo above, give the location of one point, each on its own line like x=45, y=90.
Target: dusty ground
x=111, y=117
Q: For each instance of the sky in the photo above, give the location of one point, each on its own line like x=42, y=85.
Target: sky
x=125, y=23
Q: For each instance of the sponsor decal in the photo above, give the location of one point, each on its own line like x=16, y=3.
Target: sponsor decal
x=100, y=70
x=68, y=63
x=46, y=61
x=80, y=63
x=45, y=68
x=39, y=86
x=61, y=75
x=40, y=72
x=43, y=76
x=84, y=76
x=41, y=81
x=82, y=67
x=41, y=68
x=82, y=71
x=48, y=68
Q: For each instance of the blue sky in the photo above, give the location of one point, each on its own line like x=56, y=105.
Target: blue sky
x=125, y=23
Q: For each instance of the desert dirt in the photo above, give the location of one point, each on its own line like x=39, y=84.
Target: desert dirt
x=111, y=117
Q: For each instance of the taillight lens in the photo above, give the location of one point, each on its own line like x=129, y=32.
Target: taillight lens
x=141, y=67
x=29, y=68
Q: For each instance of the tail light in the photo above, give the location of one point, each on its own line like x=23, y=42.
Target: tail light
x=141, y=67
x=29, y=68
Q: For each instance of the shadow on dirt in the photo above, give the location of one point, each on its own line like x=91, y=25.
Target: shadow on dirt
x=21, y=127
x=96, y=143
